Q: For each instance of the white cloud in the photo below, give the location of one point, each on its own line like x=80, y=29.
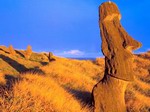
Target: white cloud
x=148, y=49
x=74, y=52
x=141, y=51
x=77, y=54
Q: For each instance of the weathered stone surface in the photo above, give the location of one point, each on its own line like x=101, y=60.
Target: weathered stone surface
x=51, y=57
x=116, y=43
x=117, y=48
x=108, y=95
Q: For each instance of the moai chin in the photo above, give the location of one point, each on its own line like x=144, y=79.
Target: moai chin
x=117, y=47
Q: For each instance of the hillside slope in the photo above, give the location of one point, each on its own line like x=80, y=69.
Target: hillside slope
x=62, y=85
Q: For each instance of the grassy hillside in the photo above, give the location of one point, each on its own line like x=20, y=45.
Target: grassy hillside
x=62, y=85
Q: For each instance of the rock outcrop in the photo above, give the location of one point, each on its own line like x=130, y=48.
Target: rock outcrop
x=117, y=46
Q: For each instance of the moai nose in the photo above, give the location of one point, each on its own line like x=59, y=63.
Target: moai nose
x=131, y=44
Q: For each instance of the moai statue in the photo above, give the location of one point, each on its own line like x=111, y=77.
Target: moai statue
x=117, y=46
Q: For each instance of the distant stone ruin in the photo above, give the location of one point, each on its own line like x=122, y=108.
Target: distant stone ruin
x=117, y=46
x=51, y=57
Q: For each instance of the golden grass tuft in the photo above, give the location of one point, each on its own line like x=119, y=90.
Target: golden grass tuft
x=2, y=79
x=137, y=102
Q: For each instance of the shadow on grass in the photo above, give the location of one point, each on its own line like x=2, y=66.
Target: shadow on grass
x=10, y=80
x=4, y=51
x=83, y=96
x=19, y=53
x=17, y=66
x=6, y=90
x=36, y=70
x=44, y=63
x=51, y=59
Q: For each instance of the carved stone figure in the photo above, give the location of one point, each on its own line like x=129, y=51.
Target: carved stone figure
x=117, y=46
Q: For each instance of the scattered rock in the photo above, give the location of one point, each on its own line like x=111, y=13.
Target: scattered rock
x=51, y=57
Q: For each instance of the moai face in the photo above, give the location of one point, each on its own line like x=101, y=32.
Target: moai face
x=117, y=45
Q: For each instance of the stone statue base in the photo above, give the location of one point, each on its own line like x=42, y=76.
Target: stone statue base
x=108, y=95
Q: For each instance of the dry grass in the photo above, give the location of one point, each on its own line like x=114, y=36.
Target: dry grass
x=39, y=94
x=14, y=64
x=66, y=85
x=142, y=84
x=139, y=97
x=73, y=74
x=2, y=79
x=136, y=102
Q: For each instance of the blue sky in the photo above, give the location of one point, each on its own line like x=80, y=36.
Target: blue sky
x=67, y=27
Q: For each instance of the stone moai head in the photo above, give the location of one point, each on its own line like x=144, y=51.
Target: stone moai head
x=117, y=45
